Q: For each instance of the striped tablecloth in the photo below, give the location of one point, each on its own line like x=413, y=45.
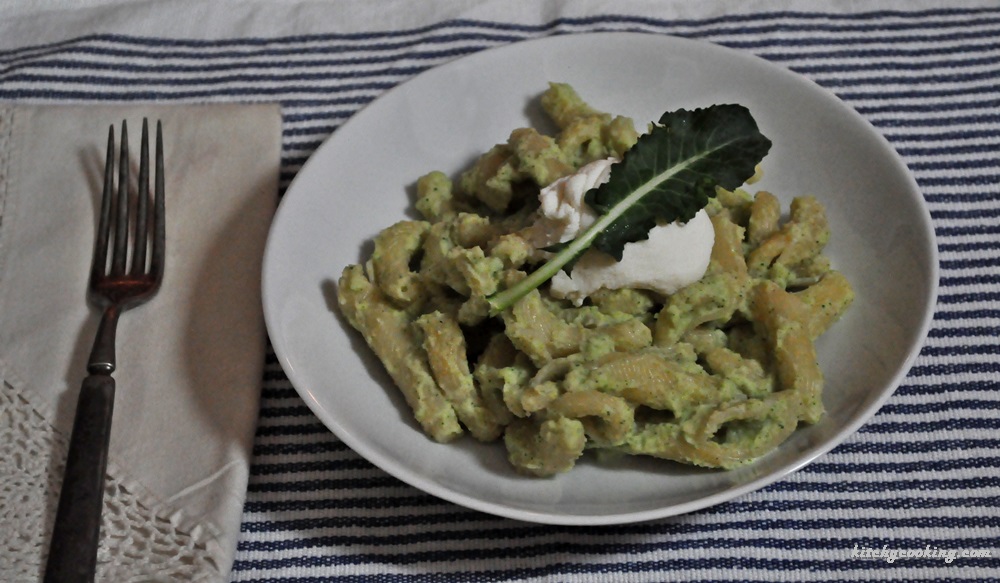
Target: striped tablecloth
x=922, y=475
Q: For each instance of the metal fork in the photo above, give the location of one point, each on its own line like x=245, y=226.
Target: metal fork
x=114, y=287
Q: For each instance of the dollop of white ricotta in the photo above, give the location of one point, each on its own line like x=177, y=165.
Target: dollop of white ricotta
x=562, y=214
x=674, y=256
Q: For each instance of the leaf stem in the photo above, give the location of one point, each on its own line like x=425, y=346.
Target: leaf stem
x=500, y=301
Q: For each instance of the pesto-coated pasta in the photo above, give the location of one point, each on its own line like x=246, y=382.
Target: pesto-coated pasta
x=764, y=219
x=446, y=353
x=716, y=374
x=545, y=446
x=794, y=354
x=387, y=331
x=435, y=198
x=395, y=248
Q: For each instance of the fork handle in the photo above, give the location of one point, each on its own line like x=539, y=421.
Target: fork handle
x=73, y=550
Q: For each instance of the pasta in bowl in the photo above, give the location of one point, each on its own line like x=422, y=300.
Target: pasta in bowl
x=716, y=374
x=356, y=184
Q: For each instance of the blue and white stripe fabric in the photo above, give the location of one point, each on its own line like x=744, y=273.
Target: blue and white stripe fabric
x=923, y=474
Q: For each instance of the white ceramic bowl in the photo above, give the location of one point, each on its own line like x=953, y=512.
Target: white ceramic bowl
x=361, y=180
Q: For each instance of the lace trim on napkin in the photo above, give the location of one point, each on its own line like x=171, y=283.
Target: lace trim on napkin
x=136, y=543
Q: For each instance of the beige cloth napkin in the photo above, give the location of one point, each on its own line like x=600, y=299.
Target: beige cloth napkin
x=189, y=362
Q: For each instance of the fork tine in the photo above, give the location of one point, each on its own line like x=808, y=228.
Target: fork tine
x=142, y=205
x=157, y=259
x=121, y=220
x=100, y=261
